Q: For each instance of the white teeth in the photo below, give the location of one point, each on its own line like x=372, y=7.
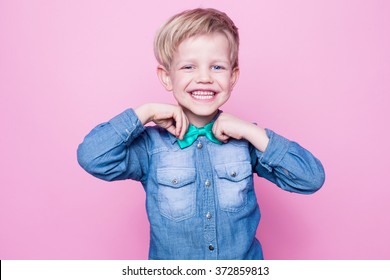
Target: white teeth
x=202, y=95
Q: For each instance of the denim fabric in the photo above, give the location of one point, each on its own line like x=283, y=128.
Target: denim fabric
x=200, y=201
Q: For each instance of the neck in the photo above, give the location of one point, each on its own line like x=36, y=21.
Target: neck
x=199, y=121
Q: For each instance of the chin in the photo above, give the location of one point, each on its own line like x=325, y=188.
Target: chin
x=204, y=112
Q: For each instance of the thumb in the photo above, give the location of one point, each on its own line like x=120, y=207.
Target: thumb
x=219, y=134
x=171, y=129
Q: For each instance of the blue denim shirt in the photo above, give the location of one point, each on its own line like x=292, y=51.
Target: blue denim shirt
x=200, y=201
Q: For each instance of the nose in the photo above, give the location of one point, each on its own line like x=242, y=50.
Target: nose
x=204, y=76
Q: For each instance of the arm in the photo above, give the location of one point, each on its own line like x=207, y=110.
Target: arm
x=288, y=165
x=275, y=158
x=115, y=150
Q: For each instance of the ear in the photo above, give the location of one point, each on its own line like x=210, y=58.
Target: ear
x=234, y=77
x=164, y=77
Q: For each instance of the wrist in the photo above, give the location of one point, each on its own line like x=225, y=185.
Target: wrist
x=143, y=113
x=257, y=136
x=249, y=130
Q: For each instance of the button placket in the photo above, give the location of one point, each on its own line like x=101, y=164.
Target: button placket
x=203, y=161
x=208, y=184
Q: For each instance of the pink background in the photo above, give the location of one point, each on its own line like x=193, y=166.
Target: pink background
x=314, y=71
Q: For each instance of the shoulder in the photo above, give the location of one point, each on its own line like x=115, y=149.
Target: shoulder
x=156, y=132
x=157, y=138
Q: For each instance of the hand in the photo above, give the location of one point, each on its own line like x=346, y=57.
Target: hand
x=228, y=126
x=170, y=117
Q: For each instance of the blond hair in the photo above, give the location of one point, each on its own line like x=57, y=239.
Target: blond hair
x=193, y=23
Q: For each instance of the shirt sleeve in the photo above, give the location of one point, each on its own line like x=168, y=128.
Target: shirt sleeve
x=116, y=150
x=288, y=165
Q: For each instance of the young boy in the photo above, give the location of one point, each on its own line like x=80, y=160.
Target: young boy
x=196, y=165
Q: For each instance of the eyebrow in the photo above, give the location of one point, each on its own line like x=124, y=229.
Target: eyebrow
x=194, y=61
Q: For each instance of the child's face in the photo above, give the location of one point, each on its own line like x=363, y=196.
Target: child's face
x=201, y=76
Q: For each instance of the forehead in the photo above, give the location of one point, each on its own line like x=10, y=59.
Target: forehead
x=212, y=45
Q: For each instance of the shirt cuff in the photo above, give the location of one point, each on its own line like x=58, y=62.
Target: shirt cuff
x=127, y=125
x=276, y=149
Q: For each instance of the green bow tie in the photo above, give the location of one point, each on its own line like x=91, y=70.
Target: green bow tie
x=193, y=133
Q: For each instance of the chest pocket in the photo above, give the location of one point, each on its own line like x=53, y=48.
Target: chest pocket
x=177, y=192
x=233, y=181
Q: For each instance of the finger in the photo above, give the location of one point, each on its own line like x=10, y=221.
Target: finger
x=219, y=133
x=215, y=128
x=184, y=127
x=171, y=129
x=179, y=129
x=223, y=138
x=178, y=120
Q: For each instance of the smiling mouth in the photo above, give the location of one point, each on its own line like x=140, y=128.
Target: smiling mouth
x=202, y=95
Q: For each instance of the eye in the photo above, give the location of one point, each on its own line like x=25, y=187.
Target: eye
x=188, y=67
x=217, y=67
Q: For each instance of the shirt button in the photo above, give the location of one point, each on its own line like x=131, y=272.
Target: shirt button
x=174, y=181
x=211, y=248
x=208, y=215
x=233, y=174
x=207, y=183
x=199, y=146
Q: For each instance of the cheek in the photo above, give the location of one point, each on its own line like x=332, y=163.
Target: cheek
x=181, y=82
x=228, y=83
